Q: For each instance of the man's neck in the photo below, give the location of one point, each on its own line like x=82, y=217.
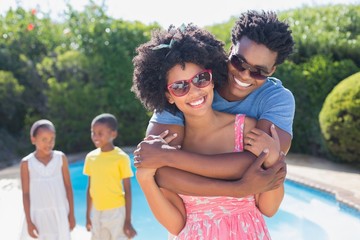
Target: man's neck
x=225, y=93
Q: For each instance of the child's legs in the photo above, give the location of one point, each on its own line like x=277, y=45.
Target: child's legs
x=108, y=224
x=115, y=223
x=96, y=225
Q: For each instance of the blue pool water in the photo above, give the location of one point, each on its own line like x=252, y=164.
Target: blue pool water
x=305, y=213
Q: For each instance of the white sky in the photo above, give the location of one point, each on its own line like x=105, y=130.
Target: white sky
x=166, y=12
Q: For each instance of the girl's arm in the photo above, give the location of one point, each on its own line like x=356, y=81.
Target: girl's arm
x=166, y=206
x=25, y=184
x=128, y=228
x=69, y=192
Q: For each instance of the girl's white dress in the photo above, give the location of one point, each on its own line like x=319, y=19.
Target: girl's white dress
x=49, y=206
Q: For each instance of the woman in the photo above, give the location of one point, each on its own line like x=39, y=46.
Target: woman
x=178, y=69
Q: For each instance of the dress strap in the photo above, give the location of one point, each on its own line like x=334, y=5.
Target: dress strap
x=239, y=132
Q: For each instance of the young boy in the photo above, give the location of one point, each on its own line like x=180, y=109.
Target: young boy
x=108, y=210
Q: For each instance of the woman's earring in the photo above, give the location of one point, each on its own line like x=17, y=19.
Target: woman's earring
x=170, y=100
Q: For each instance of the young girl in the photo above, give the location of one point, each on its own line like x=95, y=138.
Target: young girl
x=179, y=69
x=46, y=187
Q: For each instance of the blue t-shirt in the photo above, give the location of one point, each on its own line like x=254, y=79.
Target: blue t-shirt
x=272, y=101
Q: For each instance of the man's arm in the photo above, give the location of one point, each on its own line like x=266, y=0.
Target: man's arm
x=229, y=166
x=256, y=179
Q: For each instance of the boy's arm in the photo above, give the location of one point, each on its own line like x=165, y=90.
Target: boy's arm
x=69, y=192
x=128, y=228
x=88, y=206
x=127, y=190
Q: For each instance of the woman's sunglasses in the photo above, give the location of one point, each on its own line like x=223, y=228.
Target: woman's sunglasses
x=182, y=87
x=242, y=65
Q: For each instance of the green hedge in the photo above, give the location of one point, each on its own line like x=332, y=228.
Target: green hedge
x=340, y=120
x=310, y=83
x=71, y=71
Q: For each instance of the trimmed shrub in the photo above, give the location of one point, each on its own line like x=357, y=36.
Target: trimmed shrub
x=340, y=120
x=310, y=83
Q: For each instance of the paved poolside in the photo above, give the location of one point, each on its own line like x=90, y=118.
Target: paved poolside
x=339, y=179
x=342, y=180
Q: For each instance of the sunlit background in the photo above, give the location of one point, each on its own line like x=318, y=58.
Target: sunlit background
x=164, y=12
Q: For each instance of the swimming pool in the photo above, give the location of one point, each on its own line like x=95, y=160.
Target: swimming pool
x=305, y=213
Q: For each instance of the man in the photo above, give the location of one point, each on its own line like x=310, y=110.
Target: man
x=260, y=42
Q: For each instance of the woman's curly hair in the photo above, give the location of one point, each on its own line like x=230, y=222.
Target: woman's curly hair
x=265, y=28
x=186, y=44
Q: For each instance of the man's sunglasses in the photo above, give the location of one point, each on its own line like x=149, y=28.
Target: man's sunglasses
x=242, y=65
x=182, y=87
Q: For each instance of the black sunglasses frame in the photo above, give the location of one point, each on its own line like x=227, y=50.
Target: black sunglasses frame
x=241, y=65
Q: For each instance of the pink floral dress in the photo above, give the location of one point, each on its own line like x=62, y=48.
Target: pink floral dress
x=224, y=218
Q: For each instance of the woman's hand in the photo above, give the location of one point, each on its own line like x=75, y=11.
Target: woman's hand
x=256, y=141
x=164, y=136
x=151, y=152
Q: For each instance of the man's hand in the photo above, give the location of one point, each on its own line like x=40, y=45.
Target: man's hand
x=150, y=152
x=260, y=180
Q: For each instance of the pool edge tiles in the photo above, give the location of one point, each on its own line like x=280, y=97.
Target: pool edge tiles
x=341, y=196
